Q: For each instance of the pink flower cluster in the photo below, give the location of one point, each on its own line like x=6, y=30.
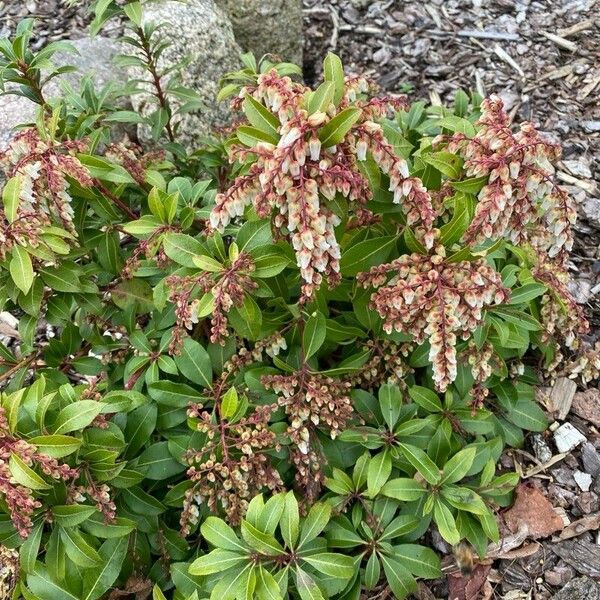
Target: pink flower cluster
x=44, y=165
x=311, y=401
x=436, y=300
x=227, y=289
x=520, y=202
x=296, y=179
x=231, y=467
x=19, y=499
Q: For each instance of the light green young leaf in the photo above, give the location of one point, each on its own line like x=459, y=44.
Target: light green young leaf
x=21, y=269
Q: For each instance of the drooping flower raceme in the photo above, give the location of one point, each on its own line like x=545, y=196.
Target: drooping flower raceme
x=295, y=177
x=520, y=201
x=436, y=300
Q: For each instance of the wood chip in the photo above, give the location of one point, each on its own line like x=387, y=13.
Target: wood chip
x=589, y=523
x=560, y=397
x=588, y=186
x=560, y=41
x=581, y=26
x=585, y=91
x=583, y=556
x=507, y=58
x=489, y=35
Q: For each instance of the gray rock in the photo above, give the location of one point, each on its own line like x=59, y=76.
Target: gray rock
x=591, y=211
x=200, y=30
x=580, y=588
x=591, y=459
x=95, y=57
x=267, y=26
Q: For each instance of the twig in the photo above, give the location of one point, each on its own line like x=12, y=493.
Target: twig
x=27, y=360
x=335, y=20
x=489, y=35
x=116, y=200
x=581, y=26
x=503, y=55
x=560, y=41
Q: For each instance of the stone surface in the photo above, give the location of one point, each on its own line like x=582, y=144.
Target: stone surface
x=95, y=57
x=533, y=511
x=202, y=31
x=580, y=588
x=567, y=437
x=267, y=26
x=591, y=459
x=587, y=405
x=583, y=480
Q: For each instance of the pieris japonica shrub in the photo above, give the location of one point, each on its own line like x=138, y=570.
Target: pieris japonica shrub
x=271, y=367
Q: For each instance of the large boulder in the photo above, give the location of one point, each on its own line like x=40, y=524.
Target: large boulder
x=200, y=30
x=95, y=56
x=267, y=26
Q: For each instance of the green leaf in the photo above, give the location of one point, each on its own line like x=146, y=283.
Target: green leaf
x=194, y=363
x=457, y=124
x=220, y=535
x=45, y=587
x=21, y=269
x=56, y=446
x=398, y=577
x=425, y=398
x=266, y=586
x=528, y=415
x=96, y=582
x=70, y=515
x=183, y=248
x=333, y=132
x=76, y=416
x=458, y=466
x=315, y=522
x=470, y=186
x=307, y=588
x=290, y=520
x=362, y=256
x=29, y=550
x=77, y=549
x=261, y=117
x=97, y=526
x=321, y=98
x=158, y=463
x=421, y=462
x=11, y=196
x=447, y=163
x=445, y=522
x=333, y=71
x=404, y=489
x=61, y=279
x=25, y=475
x=262, y=542
x=380, y=467
x=420, y=561
x=252, y=136
x=331, y=564
x=526, y=293
x=253, y=235
x=175, y=395
x=390, y=402
x=314, y=334
x=399, y=526
x=216, y=561
x=229, y=403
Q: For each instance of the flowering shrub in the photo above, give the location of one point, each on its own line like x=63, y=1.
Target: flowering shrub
x=268, y=368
